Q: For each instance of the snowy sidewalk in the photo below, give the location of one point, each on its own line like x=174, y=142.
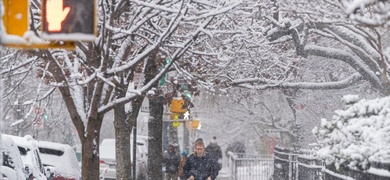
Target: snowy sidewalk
x=224, y=173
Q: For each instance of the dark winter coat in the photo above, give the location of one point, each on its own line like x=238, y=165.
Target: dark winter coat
x=215, y=152
x=236, y=147
x=171, y=161
x=200, y=167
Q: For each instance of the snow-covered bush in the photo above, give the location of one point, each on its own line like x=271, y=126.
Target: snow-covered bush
x=357, y=135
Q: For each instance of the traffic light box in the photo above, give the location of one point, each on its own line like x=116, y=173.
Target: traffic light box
x=15, y=17
x=63, y=23
x=69, y=20
x=177, y=105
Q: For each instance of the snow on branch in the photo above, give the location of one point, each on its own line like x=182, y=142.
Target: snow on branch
x=298, y=85
x=345, y=56
x=369, y=12
x=21, y=65
x=154, y=6
x=212, y=13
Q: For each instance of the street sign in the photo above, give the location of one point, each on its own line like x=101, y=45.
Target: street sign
x=177, y=104
x=15, y=17
x=145, y=106
x=69, y=20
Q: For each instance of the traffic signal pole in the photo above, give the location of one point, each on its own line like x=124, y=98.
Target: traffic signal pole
x=1, y=116
x=186, y=138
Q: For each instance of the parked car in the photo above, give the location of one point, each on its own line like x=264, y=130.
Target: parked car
x=12, y=166
x=108, y=159
x=31, y=157
x=60, y=161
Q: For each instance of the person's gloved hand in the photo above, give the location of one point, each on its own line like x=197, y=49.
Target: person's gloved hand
x=209, y=178
x=191, y=178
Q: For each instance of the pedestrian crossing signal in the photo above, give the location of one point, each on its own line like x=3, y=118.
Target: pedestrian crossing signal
x=69, y=20
x=56, y=14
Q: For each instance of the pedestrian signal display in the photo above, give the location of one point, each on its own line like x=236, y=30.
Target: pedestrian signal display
x=72, y=20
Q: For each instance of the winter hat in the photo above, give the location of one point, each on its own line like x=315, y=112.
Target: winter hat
x=184, y=153
x=214, y=140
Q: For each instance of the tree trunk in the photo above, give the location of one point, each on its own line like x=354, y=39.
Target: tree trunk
x=155, y=141
x=122, y=143
x=90, y=149
x=124, y=124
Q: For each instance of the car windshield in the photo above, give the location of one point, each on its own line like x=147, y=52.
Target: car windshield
x=51, y=151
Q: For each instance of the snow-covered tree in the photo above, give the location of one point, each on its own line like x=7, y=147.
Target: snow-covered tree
x=30, y=108
x=357, y=135
x=322, y=29
x=98, y=76
x=368, y=13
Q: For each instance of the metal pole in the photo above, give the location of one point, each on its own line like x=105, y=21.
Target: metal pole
x=1, y=90
x=186, y=137
x=1, y=113
x=134, y=151
x=165, y=134
x=290, y=166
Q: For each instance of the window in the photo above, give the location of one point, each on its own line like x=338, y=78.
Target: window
x=23, y=151
x=51, y=151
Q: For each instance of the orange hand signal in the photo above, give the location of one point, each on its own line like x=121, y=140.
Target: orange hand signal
x=55, y=14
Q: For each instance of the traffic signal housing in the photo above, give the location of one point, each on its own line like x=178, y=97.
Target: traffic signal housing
x=177, y=106
x=15, y=17
x=69, y=20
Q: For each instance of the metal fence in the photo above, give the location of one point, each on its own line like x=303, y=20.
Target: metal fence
x=293, y=165
x=250, y=166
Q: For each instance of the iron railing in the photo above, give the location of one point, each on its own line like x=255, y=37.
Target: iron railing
x=250, y=166
x=293, y=165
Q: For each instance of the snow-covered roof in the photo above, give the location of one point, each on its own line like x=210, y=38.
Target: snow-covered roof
x=60, y=156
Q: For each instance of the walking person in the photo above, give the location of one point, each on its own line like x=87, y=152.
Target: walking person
x=199, y=165
x=184, y=157
x=171, y=161
x=214, y=150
